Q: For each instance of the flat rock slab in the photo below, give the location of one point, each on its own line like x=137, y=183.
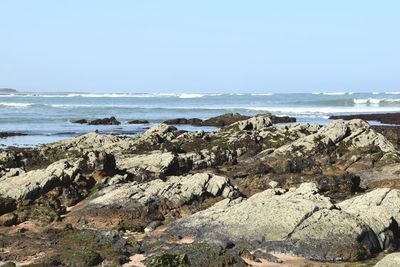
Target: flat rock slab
x=299, y=222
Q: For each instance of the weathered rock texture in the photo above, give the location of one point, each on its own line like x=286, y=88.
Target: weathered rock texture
x=248, y=186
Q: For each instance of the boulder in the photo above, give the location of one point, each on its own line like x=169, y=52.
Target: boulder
x=255, y=123
x=133, y=206
x=157, y=163
x=176, y=189
x=138, y=122
x=391, y=260
x=34, y=183
x=380, y=209
x=81, y=121
x=224, y=120
x=8, y=219
x=10, y=134
x=193, y=121
x=299, y=222
x=105, y=121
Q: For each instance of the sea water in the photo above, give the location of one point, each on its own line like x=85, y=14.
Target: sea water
x=47, y=117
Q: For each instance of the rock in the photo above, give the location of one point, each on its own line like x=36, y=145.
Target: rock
x=152, y=226
x=268, y=256
x=10, y=134
x=85, y=258
x=138, y=122
x=105, y=121
x=313, y=228
x=7, y=204
x=282, y=119
x=196, y=254
x=81, y=121
x=392, y=133
x=193, y=121
x=224, y=120
x=158, y=163
x=160, y=130
x=273, y=184
x=254, y=123
x=391, y=260
x=334, y=145
x=380, y=209
x=8, y=219
x=32, y=184
x=176, y=189
x=168, y=260
x=9, y=264
x=388, y=118
x=133, y=206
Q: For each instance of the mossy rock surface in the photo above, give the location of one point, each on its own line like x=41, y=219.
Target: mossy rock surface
x=168, y=260
x=199, y=255
x=81, y=258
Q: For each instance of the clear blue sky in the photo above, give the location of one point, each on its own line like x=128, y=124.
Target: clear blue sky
x=200, y=46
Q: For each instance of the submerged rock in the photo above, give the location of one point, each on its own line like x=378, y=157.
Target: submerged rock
x=105, y=121
x=138, y=122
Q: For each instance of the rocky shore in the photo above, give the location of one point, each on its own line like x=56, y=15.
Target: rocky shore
x=251, y=193
x=387, y=118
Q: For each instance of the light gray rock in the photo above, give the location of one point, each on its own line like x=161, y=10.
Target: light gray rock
x=391, y=260
x=253, y=124
x=380, y=209
x=298, y=221
x=176, y=189
x=156, y=162
x=31, y=184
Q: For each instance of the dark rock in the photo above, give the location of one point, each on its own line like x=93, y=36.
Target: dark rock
x=392, y=133
x=193, y=121
x=8, y=219
x=389, y=118
x=84, y=258
x=200, y=255
x=9, y=264
x=168, y=260
x=224, y=120
x=105, y=121
x=282, y=119
x=82, y=121
x=71, y=247
x=7, y=204
x=10, y=134
x=138, y=122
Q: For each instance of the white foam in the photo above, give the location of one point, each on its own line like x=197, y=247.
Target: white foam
x=266, y=94
x=334, y=93
x=325, y=110
x=392, y=93
x=185, y=95
x=375, y=100
x=16, y=105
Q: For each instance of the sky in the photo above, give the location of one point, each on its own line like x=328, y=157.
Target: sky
x=200, y=46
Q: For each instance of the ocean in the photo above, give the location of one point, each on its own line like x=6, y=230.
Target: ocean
x=47, y=117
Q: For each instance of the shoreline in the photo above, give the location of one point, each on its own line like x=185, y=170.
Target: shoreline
x=251, y=191
x=385, y=123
